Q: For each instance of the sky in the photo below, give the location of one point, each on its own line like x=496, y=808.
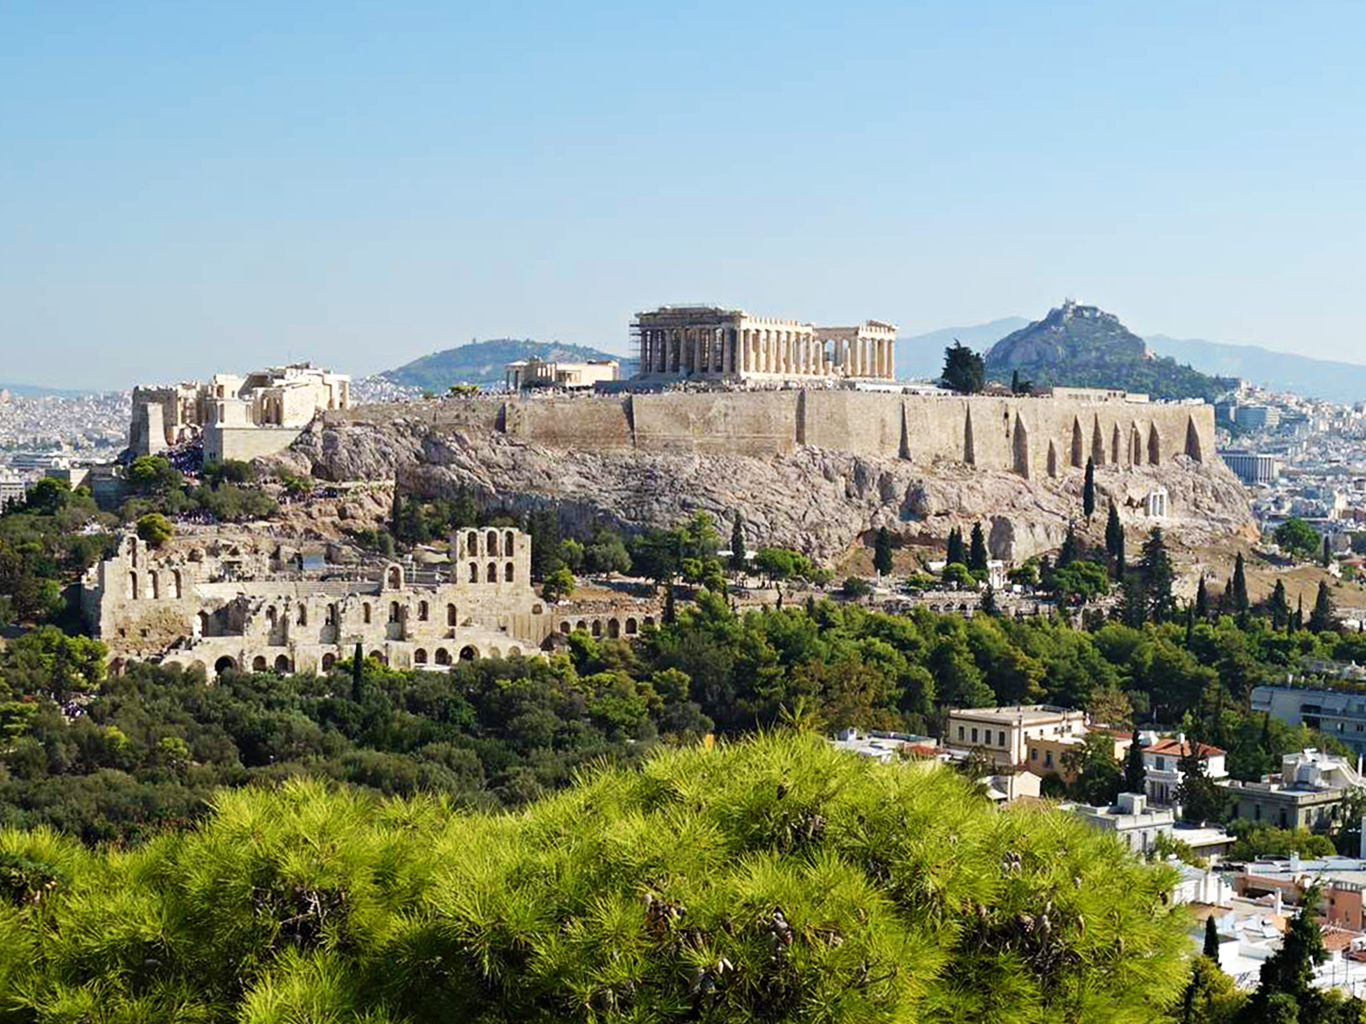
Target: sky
x=194, y=187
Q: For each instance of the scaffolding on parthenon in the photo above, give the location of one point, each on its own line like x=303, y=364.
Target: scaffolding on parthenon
x=633, y=348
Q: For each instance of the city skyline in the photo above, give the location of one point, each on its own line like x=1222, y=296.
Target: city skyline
x=194, y=188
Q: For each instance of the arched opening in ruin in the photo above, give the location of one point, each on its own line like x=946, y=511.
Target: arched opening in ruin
x=419, y=657
x=154, y=585
x=1193, y=449
x=203, y=620
x=177, y=585
x=649, y=620
x=443, y=656
x=258, y=663
x=365, y=613
x=494, y=652
x=509, y=542
x=1052, y=459
x=474, y=572
x=379, y=657
x=224, y=664
x=1020, y=444
x=328, y=661
x=282, y=664
x=451, y=616
x=597, y=627
x=565, y=628
x=507, y=573
x=302, y=618
x=492, y=574
x=1154, y=446
x=613, y=628
x=422, y=611
x=271, y=616
x=1097, y=444
x=1076, y=444
x=133, y=551
x=395, y=613
x=468, y=653
x=200, y=668
x=631, y=627
x=471, y=544
x=581, y=626
x=132, y=586
x=514, y=652
x=491, y=542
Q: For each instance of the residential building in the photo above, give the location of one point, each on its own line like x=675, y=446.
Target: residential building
x=1308, y=792
x=886, y=747
x=1342, y=881
x=1339, y=712
x=1133, y=822
x=1004, y=733
x=1162, y=764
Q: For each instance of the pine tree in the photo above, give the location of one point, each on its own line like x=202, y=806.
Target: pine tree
x=1135, y=775
x=1114, y=531
x=1067, y=554
x=882, y=552
x=1088, y=490
x=1155, y=569
x=1211, y=939
x=1321, y=618
x=1201, y=600
x=737, y=544
x=1200, y=797
x=977, y=550
x=1279, y=606
x=1240, y=601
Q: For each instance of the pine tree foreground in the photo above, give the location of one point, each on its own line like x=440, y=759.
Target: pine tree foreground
x=771, y=880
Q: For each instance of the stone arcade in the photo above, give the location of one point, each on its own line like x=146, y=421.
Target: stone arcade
x=218, y=605
x=708, y=343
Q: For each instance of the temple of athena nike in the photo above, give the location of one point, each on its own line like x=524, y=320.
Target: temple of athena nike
x=698, y=343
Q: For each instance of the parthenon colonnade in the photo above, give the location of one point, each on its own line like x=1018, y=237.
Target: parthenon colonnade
x=706, y=342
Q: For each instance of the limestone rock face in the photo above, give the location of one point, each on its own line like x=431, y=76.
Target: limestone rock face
x=815, y=500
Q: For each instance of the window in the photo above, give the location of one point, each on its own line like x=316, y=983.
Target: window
x=365, y=613
x=450, y=615
x=1033, y=753
x=422, y=611
x=507, y=573
x=1000, y=739
x=974, y=735
x=1048, y=759
x=394, y=612
x=1162, y=764
x=960, y=732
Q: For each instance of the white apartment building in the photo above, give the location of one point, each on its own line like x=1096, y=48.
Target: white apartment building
x=1004, y=733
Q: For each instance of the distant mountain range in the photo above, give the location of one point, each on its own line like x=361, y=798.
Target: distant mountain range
x=483, y=362
x=38, y=391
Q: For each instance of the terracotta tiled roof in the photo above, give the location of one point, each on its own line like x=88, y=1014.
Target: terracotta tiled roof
x=1177, y=749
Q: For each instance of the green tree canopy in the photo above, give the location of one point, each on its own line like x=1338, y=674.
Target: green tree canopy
x=1297, y=537
x=964, y=369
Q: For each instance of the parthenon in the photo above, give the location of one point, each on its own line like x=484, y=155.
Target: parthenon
x=709, y=343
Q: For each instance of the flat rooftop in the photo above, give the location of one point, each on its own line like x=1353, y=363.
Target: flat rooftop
x=1018, y=714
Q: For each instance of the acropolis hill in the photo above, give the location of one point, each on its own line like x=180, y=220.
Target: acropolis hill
x=816, y=469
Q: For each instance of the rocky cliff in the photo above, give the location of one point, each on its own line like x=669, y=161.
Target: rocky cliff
x=816, y=500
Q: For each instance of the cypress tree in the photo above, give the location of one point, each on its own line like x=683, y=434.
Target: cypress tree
x=988, y=606
x=977, y=552
x=1068, y=553
x=1201, y=600
x=1120, y=566
x=1240, y=601
x=357, y=673
x=1135, y=775
x=882, y=551
x=1211, y=939
x=1015, y=382
x=1114, y=531
x=1321, y=618
x=1155, y=569
x=955, y=548
x=1280, y=607
x=737, y=544
x=1088, y=491
x=670, y=614
x=1326, y=558
x=1297, y=623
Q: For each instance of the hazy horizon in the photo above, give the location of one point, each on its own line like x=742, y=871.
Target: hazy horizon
x=189, y=189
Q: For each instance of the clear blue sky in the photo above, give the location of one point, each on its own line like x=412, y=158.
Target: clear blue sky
x=192, y=186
